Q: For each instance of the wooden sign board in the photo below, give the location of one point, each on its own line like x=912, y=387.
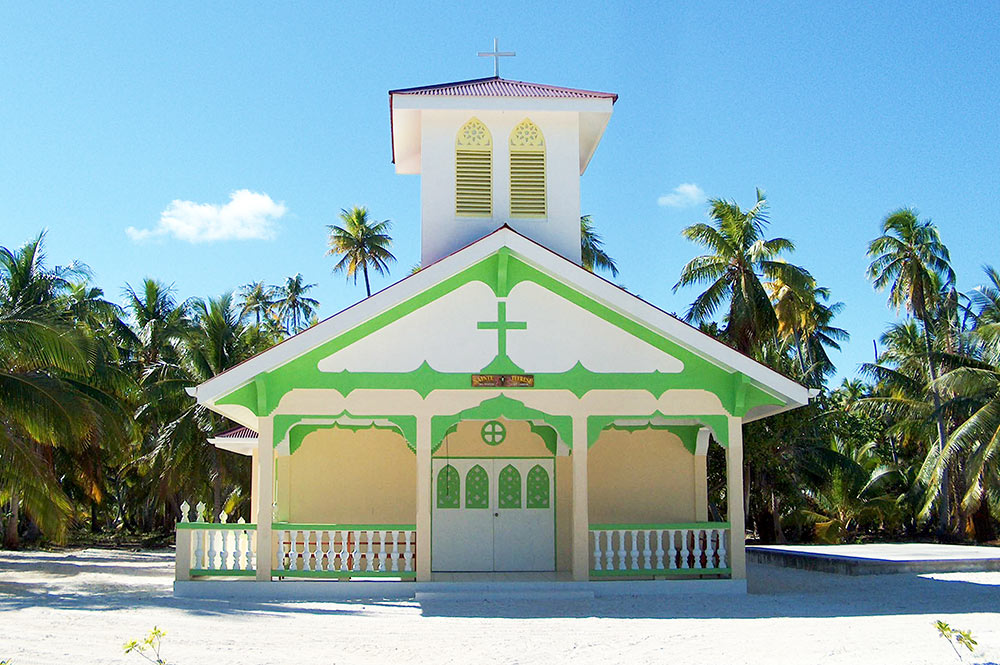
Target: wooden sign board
x=503, y=380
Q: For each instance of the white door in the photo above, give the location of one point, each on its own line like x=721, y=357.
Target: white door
x=493, y=515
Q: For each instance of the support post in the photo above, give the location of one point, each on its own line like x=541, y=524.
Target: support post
x=701, y=475
x=182, y=555
x=265, y=496
x=581, y=514
x=424, y=498
x=734, y=495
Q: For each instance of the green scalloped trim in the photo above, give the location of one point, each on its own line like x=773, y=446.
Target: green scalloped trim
x=500, y=406
x=404, y=425
x=718, y=424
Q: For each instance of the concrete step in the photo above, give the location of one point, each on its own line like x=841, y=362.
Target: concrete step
x=478, y=594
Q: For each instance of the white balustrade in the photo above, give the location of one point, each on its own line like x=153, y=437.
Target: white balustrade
x=227, y=548
x=339, y=552
x=633, y=550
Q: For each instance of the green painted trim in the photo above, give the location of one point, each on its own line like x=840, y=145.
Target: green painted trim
x=669, y=572
x=548, y=436
x=293, y=526
x=204, y=572
x=233, y=526
x=681, y=525
x=404, y=425
x=334, y=574
x=717, y=423
x=500, y=406
x=448, y=457
x=266, y=390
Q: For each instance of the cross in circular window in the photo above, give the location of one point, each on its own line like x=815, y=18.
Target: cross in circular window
x=494, y=433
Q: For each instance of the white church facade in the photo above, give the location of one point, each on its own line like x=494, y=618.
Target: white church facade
x=503, y=410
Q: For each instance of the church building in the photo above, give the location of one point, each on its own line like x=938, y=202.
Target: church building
x=502, y=410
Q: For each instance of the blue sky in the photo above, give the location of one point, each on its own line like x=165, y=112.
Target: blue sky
x=841, y=113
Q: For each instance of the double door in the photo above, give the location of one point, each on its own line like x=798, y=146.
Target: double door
x=493, y=515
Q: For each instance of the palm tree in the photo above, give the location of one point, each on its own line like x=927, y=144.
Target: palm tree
x=740, y=256
x=48, y=397
x=854, y=495
x=258, y=299
x=910, y=261
x=361, y=243
x=294, y=307
x=592, y=254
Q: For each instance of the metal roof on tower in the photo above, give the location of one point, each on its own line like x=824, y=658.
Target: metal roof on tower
x=495, y=86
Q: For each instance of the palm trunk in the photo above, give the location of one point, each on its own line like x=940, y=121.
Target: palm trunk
x=368, y=288
x=216, y=486
x=11, y=540
x=982, y=523
x=798, y=350
x=779, y=535
x=95, y=527
x=945, y=503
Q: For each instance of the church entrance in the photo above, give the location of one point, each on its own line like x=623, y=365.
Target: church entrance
x=493, y=515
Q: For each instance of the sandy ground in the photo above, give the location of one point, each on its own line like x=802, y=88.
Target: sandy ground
x=81, y=606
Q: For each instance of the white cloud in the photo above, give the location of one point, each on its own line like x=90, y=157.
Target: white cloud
x=684, y=195
x=247, y=216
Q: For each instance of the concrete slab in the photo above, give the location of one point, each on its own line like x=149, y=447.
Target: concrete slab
x=879, y=558
x=326, y=590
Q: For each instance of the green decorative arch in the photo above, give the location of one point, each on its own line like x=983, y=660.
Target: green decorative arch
x=297, y=430
x=448, y=485
x=507, y=408
x=688, y=433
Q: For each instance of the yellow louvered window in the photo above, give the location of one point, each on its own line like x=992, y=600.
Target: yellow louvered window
x=527, y=171
x=474, y=170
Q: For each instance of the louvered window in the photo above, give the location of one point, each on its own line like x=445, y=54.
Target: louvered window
x=527, y=171
x=474, y=171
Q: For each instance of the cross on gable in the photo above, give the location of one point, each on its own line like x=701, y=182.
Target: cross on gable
x=502, y=325
x=496, y=54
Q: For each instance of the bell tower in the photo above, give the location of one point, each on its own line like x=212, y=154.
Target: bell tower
x=492, y=152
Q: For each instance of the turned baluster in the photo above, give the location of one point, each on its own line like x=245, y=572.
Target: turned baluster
x=408, y=553
x=709, y=548
x=395, y=550
x=609, y=551
x=370, y=553
x=647, y=553
x=722, y=548
x=597, y=550
x=684, y=548
x=672, y=553
x=383, y=553
x=634, y=552
x=659, y=549
x=622, y=563
x=697, y=548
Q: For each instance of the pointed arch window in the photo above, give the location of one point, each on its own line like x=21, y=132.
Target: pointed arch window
x=477, y=488
x=447, y=487
x=509, y=487
x=527, y=171
x=474, y=170
x=538, y=487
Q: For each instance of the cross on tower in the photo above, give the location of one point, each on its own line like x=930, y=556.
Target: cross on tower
x=496, y=55
x=502, y=325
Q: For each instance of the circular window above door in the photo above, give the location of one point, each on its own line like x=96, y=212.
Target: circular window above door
x=493, y=433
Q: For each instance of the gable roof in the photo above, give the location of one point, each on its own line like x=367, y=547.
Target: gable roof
x=494, y=86
x=542, y=258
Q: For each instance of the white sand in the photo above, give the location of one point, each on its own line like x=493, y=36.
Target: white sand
x=79, y=607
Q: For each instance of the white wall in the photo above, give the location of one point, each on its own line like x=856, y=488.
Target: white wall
x=443, y=232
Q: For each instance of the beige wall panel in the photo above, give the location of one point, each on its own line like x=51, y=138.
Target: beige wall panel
x=564, y=513
x=342, y=477
x=466, y=441
x=642, y=476
x=282, y=466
